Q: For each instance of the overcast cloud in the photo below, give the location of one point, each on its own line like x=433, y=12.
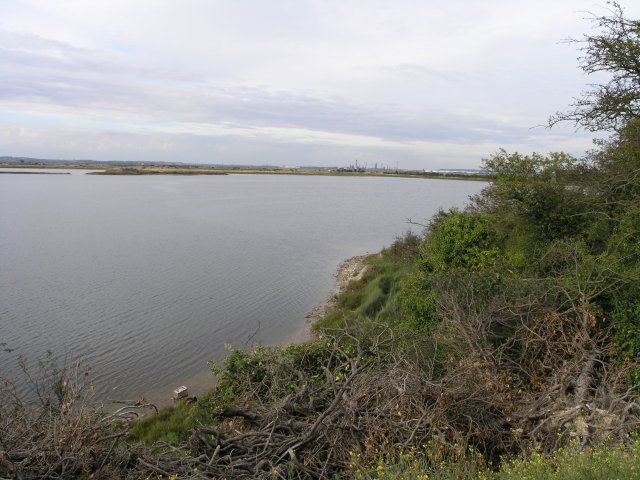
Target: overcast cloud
x=423, y=84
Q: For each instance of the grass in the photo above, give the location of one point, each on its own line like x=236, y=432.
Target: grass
x=171, y=425
x=440, y=462
x=372, y=297
x=605, y=462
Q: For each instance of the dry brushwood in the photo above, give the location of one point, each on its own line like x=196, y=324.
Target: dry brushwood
x=385, y=402
x=58, y=433
x=382, y=401
x=310, y=432
x=549, y=373
x=579, y=391
x=550, y=379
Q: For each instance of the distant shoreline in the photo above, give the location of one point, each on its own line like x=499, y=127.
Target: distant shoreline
x=110, y=169
x=32, y=173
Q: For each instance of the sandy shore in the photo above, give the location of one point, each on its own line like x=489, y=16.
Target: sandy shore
x=351, y=269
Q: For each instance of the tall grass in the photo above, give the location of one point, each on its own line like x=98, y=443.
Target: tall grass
x=370, y=298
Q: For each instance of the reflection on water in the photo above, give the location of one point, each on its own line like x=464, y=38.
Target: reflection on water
x=147, y=278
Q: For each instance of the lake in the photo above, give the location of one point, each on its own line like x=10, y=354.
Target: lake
x=147, y=277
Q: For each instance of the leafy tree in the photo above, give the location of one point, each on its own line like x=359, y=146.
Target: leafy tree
x=537, y=193
x=617, y=164
x=615, y=49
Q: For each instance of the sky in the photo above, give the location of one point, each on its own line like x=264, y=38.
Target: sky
x=417, y=84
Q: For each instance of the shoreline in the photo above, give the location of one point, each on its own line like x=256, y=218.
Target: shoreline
x=350, y=269
x=190, y=170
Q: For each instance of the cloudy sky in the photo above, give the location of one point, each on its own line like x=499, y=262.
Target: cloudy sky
x=417, y=83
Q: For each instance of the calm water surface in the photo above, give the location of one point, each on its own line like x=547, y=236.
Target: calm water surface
x=148, y=277
x=51, y=171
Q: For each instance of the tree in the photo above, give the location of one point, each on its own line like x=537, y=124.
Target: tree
x=614, y=50
x=536, y=193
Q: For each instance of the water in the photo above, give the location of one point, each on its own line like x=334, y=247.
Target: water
x=50, y=171
x=148, y=277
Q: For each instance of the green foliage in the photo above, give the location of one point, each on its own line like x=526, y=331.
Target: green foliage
x=625, y=239
x=404, y=248
x=572, y=276
x=440, y=462
x=434, y=460
x=605, y=462
x=617, y=163
x=418, y=300
x=614, y=181
x=375, y=297
x=540, y=192
x=268, y=373
x=455, y=241
x=626, y=320
x=458, y=239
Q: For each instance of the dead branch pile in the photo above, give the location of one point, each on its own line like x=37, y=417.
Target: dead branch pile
x=309, y=433
x=383, y=402
x=550, y=374
x=578, y=390
x=59, y=433
x=550, y=379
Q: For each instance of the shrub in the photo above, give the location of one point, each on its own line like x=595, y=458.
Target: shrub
x=458, y=239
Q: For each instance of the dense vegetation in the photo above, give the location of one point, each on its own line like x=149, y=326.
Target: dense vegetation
x=503, y=342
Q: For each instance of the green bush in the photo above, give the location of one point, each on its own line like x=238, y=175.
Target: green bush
x=418, y=300
x=540, y=191
x=626, y=320
x=458, y=239
x=604, y=462
x=265, y=374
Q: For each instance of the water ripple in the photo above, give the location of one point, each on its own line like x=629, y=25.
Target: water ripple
x=148, y=278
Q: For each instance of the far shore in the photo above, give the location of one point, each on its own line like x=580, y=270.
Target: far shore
x=111, y=169
x=32, y=173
